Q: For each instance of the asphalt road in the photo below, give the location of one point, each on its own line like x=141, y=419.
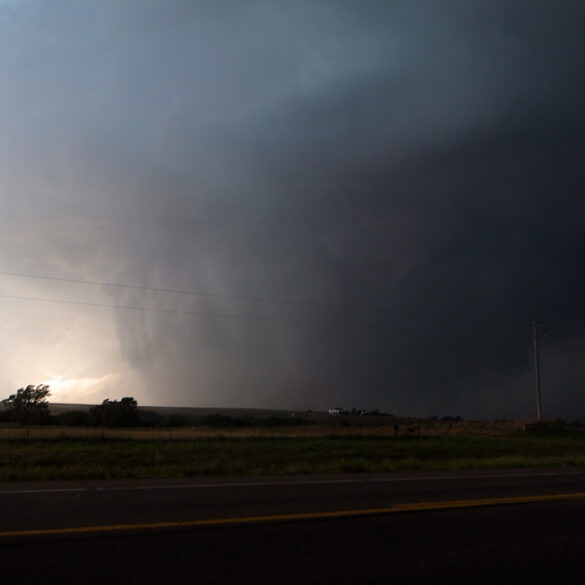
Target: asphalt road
x=496, y=540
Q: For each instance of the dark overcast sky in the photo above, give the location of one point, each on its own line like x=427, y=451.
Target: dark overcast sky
x=407, y=174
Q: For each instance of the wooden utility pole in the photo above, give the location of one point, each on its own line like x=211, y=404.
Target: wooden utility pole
x=537, y=371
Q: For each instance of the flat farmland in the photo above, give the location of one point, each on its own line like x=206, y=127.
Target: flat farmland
x=53, y=453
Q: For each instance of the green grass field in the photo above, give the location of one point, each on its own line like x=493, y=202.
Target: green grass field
x=167, y=455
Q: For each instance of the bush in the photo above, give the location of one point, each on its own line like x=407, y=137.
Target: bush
x=72, y=418
x=222, y=420
x=6, y=415
x=114, y=413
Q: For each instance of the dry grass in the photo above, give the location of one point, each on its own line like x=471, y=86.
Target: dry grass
x=358, y=428
x=146, y=454
x=472, y=428
x=339, y=446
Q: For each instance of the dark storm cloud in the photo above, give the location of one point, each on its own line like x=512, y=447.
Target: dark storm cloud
x=419, y=158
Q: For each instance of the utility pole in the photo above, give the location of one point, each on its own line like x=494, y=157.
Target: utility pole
x=537, y=371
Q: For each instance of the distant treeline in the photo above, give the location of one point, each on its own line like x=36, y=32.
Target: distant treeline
x=126, y=413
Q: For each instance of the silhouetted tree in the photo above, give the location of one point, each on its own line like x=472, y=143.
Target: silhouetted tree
x=114, y=413
x=29, y=405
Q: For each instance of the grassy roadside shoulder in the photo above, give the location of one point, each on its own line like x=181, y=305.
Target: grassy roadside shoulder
x=108, y=458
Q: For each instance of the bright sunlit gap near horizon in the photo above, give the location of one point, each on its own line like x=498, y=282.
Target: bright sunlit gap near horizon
x=74, y=390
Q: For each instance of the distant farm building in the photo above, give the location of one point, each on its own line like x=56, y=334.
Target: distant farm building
x=336, y=411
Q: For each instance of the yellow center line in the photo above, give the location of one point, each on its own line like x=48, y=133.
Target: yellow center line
x=411, y=507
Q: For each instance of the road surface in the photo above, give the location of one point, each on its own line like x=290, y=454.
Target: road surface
x=481, y=527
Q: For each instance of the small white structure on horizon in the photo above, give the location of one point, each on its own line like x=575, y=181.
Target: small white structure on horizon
x=335, y=411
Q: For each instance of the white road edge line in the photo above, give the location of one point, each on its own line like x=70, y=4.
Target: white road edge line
x=287, y=483
x=44, y=491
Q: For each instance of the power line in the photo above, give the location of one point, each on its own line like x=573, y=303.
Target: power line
x=572, y=338
x=342, y=324
x=550, y=324
x=177, y=311
x=192, y=292
x=204, y=313
x=248, y=298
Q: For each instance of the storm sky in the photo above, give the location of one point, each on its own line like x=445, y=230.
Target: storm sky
x=310, y=204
